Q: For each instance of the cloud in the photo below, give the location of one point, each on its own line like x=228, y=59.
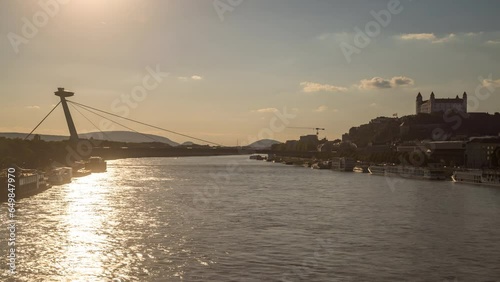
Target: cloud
x=490, y=83
x=373, y=104
x=445, y=39
x=32, y=107
x=185, y=78
x=401, y=81
x=376, y=82
x=382, y=83
x=321, y=109
x=310, y=87
x=266, y=110
x=430, y=37
x=493, y=42
x=474, y=33
x=418, y=36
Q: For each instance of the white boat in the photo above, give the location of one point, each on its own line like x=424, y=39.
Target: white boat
x=96, y=164
x=377, y=169
x=477, y=176
x=60, y=175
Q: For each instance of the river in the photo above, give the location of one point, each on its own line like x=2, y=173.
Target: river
x=233, y=219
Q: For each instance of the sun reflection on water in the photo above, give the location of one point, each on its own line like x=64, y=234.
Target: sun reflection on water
x=85, y=218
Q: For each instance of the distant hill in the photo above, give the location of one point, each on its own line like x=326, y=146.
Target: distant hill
x=45, y=137
x=128, y=136
x=116, y=136
x=263, y=144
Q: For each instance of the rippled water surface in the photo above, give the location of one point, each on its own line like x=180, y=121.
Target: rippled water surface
x=232, y=219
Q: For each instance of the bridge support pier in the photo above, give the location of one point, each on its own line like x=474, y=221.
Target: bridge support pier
x=71, y=125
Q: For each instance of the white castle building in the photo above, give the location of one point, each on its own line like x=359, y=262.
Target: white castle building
x=434, y=105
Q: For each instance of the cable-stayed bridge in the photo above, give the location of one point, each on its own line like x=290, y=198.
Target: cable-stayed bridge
x=92, y=147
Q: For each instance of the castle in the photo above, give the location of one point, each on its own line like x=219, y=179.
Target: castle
x=434, y=105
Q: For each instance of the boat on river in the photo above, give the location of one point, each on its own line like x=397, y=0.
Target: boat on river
x=27, y=182
x=96, y=164
x=343, y=164
x=477, y=176
x=431, y=172
x=60, y=175
x=377, y=170
x=257, y=157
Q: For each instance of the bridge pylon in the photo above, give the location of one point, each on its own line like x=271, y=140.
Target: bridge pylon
x=71, y=125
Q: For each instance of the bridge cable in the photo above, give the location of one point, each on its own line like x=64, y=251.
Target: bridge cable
x=42, y=121
x=74, y=107
x=145, y=135
x=156, y=127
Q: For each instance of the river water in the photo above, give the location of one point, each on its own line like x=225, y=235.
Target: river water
x=234, y=219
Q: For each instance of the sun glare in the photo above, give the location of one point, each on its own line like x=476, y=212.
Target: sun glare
x=104, y=11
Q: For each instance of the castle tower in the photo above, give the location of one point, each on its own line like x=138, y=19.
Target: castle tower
x=432, y=102
x=464, y=101
x=418, y=103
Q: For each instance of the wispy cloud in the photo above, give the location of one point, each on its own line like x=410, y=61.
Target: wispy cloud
x=321, y=109
x=474, y=33
x=491, y=83
x=311, y=87
x=418, y=36
x=266, y=110
x=32, y=107
x=382, y=83
x=430, y=37
x=185, y=78
x=493, y=42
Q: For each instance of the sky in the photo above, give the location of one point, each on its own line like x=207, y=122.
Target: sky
x=233, y=71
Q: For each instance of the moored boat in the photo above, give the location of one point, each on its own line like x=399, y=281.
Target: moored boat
x=477, y=176
x=257, y=157
x=432, y=172
x=60, y=175
x=428, y=173
x=361, y=169
x=96, y=164
x=28, y=182
x=377, y=169
x=81, y=172
x=322, y=165
x=343, y=164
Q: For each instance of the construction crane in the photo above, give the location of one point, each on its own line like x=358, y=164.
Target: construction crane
x=313, y=128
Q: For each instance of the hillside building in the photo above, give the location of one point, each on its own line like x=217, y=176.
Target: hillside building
x=434, y=105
